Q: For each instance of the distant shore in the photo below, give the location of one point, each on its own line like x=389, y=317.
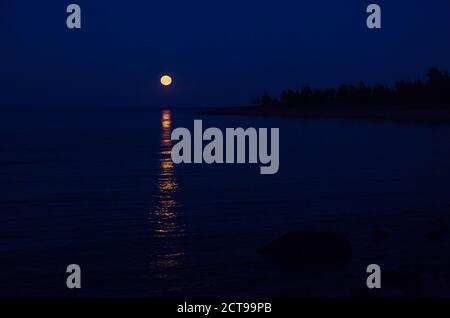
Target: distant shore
x=396, y=114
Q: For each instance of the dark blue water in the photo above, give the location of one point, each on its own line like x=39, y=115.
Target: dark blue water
x=98, y=189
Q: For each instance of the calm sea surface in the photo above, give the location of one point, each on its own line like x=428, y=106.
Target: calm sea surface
x=98, y=189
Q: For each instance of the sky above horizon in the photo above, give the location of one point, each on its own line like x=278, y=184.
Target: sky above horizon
x=219, y=53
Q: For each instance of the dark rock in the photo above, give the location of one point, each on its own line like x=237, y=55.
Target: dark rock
x=379, y=235
x=308, y=248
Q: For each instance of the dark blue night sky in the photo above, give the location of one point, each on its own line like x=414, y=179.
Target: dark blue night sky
x=219, y=52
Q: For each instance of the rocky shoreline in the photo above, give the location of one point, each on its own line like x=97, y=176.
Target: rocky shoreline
x=430, y=116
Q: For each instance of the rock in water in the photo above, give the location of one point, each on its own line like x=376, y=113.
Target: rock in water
x=308, y=248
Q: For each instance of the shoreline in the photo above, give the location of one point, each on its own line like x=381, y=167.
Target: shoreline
x=430, y=116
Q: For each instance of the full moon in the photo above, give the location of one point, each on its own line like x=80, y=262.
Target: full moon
x=166, y=80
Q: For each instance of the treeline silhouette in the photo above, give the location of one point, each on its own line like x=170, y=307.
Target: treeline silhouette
x=434, y=92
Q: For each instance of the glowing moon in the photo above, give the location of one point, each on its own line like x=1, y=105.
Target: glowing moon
x=166, y=80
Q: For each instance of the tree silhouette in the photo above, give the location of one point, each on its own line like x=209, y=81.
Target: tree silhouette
x=435, y=92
